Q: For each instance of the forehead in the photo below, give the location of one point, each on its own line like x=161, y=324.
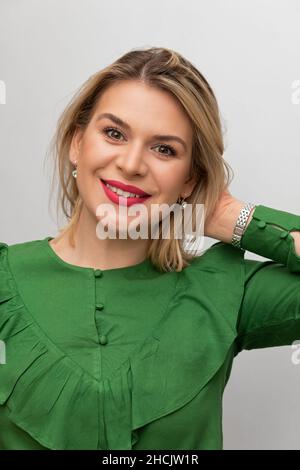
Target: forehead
x=143, y=105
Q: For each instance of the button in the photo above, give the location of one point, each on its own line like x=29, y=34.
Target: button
x=103, y=339
x=98, y=273
x=284, y=234
x=99, y=306
x=261, y=224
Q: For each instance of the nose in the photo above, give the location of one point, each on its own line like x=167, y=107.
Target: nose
x=132, y=161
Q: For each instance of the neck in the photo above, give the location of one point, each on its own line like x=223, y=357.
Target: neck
x=92, y=251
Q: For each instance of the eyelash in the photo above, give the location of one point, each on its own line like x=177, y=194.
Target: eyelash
x=174, y=153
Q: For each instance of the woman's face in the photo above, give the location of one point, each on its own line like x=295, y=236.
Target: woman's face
x=134, y=153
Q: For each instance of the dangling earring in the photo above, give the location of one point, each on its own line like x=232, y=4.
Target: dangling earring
x=182, y=202
x=74, y=172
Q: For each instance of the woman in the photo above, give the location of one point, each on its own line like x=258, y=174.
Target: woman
x=123, y=343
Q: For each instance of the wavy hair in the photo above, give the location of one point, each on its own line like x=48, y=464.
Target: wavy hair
x=170, y=71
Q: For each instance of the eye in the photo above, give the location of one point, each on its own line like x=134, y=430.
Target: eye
x=106, y=130
x=171, y=149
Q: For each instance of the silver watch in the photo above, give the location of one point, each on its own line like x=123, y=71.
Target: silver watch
x=241, y=224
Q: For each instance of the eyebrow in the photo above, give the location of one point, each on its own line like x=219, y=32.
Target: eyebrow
x=126, y=126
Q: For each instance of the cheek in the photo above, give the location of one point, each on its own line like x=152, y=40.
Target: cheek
x=171, y=181
x=91, y=145
x=95, y=152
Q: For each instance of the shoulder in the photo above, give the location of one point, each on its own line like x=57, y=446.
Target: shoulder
x=218, y=257
x=19, y=250
x=17, y=262
x=216, y=278
x=19, y=246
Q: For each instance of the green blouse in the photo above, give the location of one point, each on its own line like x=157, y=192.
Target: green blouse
x=134, y=358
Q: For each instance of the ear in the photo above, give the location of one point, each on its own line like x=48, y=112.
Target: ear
x=189, y=186
x=75, y=145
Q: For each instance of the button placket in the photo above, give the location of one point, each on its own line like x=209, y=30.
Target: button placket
x=98, y=273
x=99, y=306
x=103, y=339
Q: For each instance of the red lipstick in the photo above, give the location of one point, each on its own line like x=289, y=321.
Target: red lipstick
x=123, y=200
x=127, y=187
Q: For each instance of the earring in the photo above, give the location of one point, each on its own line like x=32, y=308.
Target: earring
x=182, y=202
x=74, y=172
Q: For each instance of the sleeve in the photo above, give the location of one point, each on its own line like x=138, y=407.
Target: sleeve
x=269, y=313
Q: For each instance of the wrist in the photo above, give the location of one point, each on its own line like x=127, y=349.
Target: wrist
x=227, y=228
x=227, y=231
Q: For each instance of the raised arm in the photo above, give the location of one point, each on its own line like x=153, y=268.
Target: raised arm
x=270, y=310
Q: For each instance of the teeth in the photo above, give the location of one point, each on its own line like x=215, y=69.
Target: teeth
x=120, y=192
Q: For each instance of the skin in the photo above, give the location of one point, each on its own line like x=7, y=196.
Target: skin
x=132, y=157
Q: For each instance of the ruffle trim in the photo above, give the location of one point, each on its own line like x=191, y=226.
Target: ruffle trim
x=63, y=408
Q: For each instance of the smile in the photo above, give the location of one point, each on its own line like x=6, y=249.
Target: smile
x=120, y=191
x=120, y=197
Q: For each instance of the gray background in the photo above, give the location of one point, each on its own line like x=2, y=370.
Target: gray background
x=249, y=52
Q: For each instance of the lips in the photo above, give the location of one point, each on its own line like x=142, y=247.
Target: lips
x=126, y=187
x=121, y=200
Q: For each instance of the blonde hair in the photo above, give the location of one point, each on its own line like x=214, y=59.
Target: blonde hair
x=170, y=71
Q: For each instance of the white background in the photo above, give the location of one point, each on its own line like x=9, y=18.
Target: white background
x=249, y=52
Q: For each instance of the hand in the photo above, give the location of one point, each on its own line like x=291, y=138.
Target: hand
x=221, y=224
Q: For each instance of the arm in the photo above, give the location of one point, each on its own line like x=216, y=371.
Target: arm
x=270, y=310
x=226, y=225
x=268, y=234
